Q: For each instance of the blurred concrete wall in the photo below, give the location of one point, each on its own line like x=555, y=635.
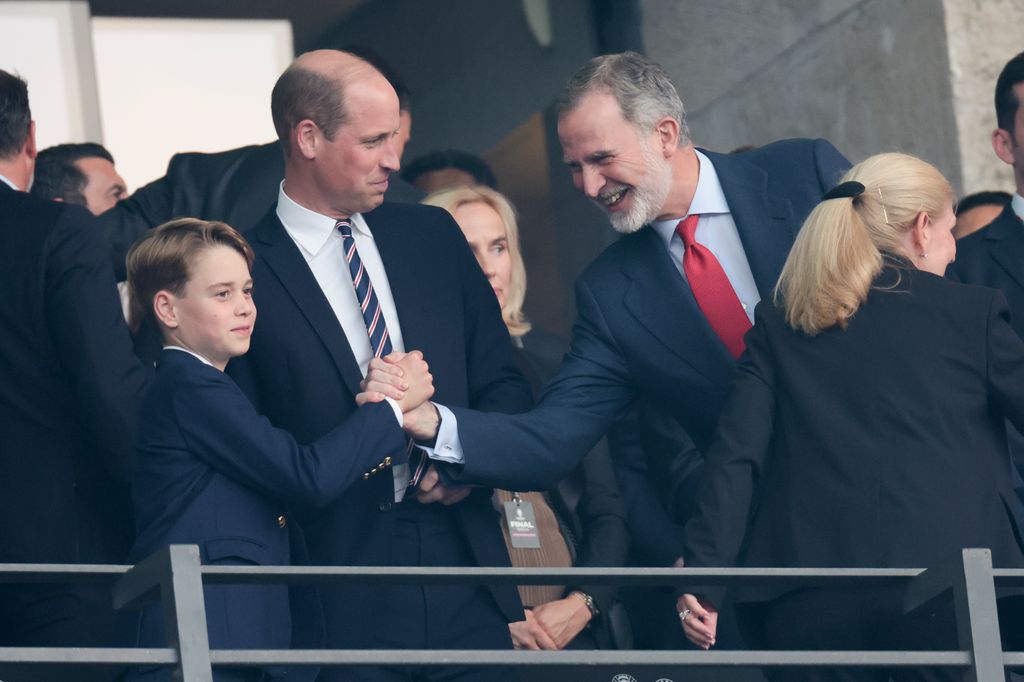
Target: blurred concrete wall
x=870, y=75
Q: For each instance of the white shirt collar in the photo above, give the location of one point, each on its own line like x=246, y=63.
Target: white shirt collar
x=1018, y=205
x=309, y=229
x=708, y=198
x=10, y=184
x=192, y=353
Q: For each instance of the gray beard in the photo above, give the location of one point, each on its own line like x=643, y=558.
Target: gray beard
x=649, y=196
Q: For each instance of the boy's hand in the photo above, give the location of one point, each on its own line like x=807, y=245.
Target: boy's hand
x=404, y=377
x=418, y=380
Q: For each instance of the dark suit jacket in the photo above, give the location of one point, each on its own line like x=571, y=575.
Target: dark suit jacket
x=213, y=472
x=639, y=330
x=304, y=377
x=994, y=257
x=879, y=445
x=236, y=186
x=69, y=388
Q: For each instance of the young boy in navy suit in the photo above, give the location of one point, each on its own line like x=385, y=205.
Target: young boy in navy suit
x=210, y=470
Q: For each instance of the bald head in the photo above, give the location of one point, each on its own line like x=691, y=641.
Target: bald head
x=313, y=88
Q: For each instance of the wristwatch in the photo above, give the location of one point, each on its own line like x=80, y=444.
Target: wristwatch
x=588, y=600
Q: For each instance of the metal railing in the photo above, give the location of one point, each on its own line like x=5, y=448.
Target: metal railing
x=175, y=577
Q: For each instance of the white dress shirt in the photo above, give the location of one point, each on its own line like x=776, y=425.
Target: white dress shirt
x=321, y=245
x=1018, y=205
x=10, y=184
x=717, y=231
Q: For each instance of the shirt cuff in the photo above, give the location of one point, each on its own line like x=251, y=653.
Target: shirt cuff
x=447, y=446
x=398, y=411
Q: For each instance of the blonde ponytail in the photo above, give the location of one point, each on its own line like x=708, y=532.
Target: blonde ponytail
x=839, y=250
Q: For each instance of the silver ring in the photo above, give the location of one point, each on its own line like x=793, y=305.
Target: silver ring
x=683, y=614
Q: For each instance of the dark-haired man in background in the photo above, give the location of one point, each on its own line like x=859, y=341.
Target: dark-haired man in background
x=977, y=210
x=69, y=384
x=449, y=168
x=79, y=173
x=994, y=255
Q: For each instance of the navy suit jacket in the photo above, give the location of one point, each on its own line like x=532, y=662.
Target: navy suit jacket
x=304, y=376
x=994, y=257
x=639, y=332
x=69, y=388
x=213, y=472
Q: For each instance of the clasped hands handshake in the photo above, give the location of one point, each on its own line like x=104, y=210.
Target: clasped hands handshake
x=406, y=378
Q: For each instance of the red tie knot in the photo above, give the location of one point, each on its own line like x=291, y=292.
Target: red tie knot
x=687, y=228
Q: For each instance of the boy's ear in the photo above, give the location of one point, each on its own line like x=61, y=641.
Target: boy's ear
x=165, y=309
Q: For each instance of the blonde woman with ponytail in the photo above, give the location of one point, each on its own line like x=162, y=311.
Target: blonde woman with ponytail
x=867, y=416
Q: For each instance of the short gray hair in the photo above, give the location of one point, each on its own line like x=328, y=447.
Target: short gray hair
x=642, y=88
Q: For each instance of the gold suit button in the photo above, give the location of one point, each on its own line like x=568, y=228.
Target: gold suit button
x=387, y=461
x=282, y=522
x=366, y=476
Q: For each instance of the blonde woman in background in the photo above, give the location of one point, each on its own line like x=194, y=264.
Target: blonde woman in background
x=581, y=522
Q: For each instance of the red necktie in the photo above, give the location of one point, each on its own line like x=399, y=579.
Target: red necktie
x=715, y=295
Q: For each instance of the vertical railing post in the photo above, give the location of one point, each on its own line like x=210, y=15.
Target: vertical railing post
x=174, y=572
x=977, y=619
x=185, y=614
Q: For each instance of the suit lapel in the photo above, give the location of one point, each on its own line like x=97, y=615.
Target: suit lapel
x=764, y=222
x=661, y=302
x=408, y=272
x=1005, y=241
x=282, y=257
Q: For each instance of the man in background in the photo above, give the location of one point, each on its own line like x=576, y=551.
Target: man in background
x=79, y=173
x=994, y=255
x=978, y=210
x=449, y=168
x=69, y=385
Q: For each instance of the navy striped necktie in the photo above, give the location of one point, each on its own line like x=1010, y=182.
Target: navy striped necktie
x=376, y=328
x=373, y=317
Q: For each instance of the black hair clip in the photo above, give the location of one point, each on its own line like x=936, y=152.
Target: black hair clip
x=844, y=190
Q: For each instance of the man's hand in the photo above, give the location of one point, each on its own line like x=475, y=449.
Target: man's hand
x=701, y=623
x=422, y=423
x=528, y=634
x=431, y=489
x=563, y=619
x=405, y=377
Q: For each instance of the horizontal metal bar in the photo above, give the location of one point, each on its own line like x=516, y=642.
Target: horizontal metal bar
x=390, y=575
x=70, y=573
x=1013, y=658
x=84, y=655
x=423, y=657
x=1008, y=577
